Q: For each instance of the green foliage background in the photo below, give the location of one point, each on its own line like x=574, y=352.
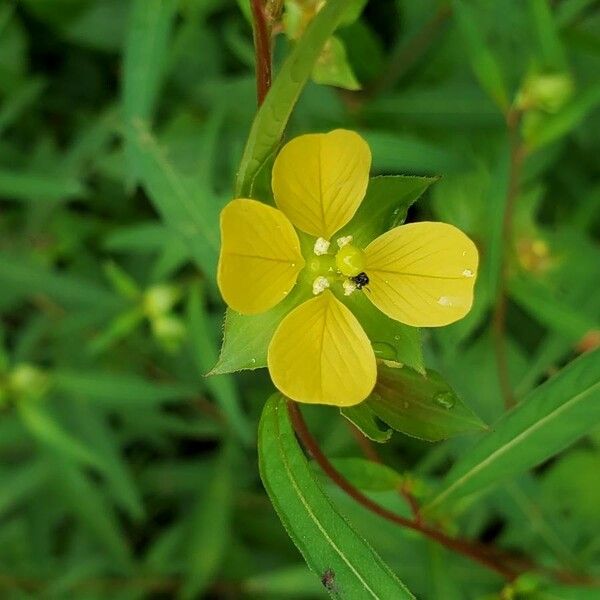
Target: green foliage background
x=125, y=473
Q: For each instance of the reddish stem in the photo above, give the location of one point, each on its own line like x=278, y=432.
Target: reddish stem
x=517, y=157
x=262, y=49
x=475, y=552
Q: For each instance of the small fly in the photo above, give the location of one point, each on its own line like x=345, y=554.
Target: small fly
x=360, y=280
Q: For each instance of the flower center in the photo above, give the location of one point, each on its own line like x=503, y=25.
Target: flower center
x=344, y=267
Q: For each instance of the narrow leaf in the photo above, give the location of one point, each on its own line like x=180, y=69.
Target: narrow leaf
x=186, y=207
x=209, y=527
x=346, y=564
x=422, y=406
x=246, y=338
x=144, y=61
x=272, y=117
x=385, y=206
x=364, y=419
x=205, y=354
x=550, y=418
x=483, y=62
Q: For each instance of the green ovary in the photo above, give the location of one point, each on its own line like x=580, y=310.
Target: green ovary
x=350, y=261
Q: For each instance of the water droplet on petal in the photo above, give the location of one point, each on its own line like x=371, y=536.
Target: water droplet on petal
x=468, y=273
x=445, y=399
x=444, y=301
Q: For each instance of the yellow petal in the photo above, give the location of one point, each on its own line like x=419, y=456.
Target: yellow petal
x=319, y=180
x=422, y=274
x=320, y=354
x=260, y=256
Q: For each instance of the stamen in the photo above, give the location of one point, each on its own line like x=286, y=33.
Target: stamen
x=349, y=287
x=320, y=284
x=321, y=246
x=344, y=241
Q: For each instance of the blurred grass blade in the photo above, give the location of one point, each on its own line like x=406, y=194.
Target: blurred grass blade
x=38, y=188
x=483, y=62
x=330, y=546
x=144, y=63
x=19, y=101
x=210, y=525
x=544, y=27
x=546, y=306
x=82, y=498
x=204, y=351
x=92, y=426
x=117, y=391
x=20, y=482
x=188, y=209
x=271, y=120
x=28, y=278
x=45, y=429
x=550, y=418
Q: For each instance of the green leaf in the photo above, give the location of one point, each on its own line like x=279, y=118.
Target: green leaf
x=81, y=497
x=205, y=353
x=93, y=427
x=185, y=206
x=364, y=419
x=115, y=391
x=422, y=406
x=144, y=64
x=483, y=62
x=209, y=527
x=246, y=338
x=38, y=188
x=368, y=475
x=46, y=430
x=272, y=117
x=20, y=483
x=546, y=306
x=19, y=101
x=391, y=340
x=328, y=543
x=19, y=274
x=385, y=205
x=544, y=28
x=547, y=420
x=332, y=67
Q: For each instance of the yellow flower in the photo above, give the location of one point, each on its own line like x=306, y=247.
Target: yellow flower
x=420, y=274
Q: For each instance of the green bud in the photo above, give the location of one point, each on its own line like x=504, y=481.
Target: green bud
x=160, y=299
x=169, y=330
x=27, y=381
x=547, y=92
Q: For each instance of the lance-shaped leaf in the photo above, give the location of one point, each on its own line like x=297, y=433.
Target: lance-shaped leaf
x=364, y=419
x=551, y=417
x=422, y=406
x=273, y=115
x=246, y=338
x=346, y=564
x=385, y=205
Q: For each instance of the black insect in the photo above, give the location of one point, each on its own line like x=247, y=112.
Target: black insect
x=360, y=280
